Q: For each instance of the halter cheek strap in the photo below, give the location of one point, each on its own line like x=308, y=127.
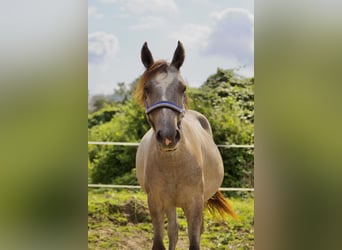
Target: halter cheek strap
x=164, y=104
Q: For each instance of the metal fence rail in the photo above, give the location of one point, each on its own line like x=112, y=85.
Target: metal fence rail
x=138, y=187
x=137, y=144
x=113, y=143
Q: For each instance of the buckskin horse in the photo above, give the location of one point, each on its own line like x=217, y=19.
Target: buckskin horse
x=177, y=162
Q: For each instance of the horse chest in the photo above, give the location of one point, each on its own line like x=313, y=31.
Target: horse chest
x=174, y=174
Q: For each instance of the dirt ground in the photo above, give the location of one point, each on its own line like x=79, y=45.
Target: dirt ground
x=135, y=239
x=125, y=224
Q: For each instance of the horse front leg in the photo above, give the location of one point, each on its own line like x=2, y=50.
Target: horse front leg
x=172, y=228
x=194, y=215
x=157, y=215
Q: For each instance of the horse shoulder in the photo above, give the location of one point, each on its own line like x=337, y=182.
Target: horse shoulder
x=203, y=121
x=140, y=160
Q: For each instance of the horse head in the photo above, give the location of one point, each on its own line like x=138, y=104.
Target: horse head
x=163, y=94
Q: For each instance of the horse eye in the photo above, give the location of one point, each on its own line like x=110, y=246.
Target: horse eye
x=183, y=88
x=147, y=89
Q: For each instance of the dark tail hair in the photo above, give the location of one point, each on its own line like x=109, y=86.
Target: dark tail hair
x=217, y=203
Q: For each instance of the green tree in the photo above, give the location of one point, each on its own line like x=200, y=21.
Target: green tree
x=98, y=102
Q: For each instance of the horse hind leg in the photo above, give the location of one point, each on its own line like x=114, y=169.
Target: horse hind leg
x=172, y=228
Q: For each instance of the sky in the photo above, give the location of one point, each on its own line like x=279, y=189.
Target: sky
x=214, y=34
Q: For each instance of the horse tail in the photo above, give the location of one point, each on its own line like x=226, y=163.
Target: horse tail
x=217, y=203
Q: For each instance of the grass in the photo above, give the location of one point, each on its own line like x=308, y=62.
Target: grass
x=120, y=220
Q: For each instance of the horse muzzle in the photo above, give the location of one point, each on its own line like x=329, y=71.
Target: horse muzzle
x=168, y=138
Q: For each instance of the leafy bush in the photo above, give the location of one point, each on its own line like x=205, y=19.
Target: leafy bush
x=101, y=116
x=112, y=163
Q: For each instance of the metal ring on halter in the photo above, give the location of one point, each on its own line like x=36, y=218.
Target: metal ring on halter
x=164, y=104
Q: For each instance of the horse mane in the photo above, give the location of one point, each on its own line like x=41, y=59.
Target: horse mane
x=157, y=67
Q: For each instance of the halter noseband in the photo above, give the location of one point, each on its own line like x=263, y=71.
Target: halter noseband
x=164, y=104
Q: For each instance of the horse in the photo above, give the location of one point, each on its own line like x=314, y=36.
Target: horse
x=177, y=162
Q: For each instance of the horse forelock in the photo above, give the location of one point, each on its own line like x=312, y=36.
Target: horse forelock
x=157, y=67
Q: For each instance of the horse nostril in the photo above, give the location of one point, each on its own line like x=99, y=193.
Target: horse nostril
x=159, y=136
x=178, y=135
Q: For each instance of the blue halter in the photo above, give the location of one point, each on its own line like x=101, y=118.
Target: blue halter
x=164, y=104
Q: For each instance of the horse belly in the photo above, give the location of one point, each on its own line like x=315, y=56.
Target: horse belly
x=213, y=172
x=188, y=188
x=178, y=195
x=201, y=142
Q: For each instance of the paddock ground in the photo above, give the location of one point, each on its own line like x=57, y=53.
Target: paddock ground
x=119, y=219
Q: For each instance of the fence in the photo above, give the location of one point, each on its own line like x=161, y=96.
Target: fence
x=138, y=187
x=137, y=144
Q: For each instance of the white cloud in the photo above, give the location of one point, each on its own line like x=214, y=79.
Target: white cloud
x=103, y=88
x=101, y=45
x=142, y=6
x=232, y=35
x=193, y=35
x=148, y=22
x=93, y=12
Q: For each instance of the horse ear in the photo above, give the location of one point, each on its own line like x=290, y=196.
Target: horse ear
x=178, y=56
x=146, y=56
